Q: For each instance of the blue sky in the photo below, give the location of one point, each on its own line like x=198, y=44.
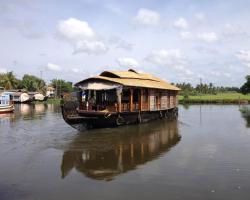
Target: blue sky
x=177, y=40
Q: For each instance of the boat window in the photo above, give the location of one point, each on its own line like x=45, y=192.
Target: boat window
x=145, y=95
x=125, y=96
x=136, y=95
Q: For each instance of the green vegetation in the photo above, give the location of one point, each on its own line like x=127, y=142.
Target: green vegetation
x=62, y=86
x=31, y=83
x=56, y=101
x=220, y=98
x=208, y=93
x=201, y=93
x=204, y=89
x=245, y=88
x=8, y=81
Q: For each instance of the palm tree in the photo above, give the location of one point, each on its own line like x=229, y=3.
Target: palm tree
x=40, y=86
x=8, y=80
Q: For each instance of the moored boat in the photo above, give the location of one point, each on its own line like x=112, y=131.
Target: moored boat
x=40, y=97
x=22, y=97
x=6, y=103
x=116, y=98
x=36, y=96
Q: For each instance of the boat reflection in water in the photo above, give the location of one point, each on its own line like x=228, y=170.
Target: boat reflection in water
x=105, y=153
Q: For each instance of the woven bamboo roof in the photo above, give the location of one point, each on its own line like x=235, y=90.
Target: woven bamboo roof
x=131, y=78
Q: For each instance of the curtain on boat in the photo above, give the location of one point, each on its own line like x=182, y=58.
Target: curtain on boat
x=99, y=86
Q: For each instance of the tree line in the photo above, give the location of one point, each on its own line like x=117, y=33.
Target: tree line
x=203, y=88
x=31, y=83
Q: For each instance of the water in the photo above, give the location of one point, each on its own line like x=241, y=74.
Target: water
x=202, y=155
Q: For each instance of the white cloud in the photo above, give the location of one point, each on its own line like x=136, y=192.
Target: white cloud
x=244, y=57
x=208, y=37
x=114, y=8
x=53, y=67
x=181, y=23
x=186, y=35
x=3, y=70
x=81, y=36
x=220, y=74
x=200, y=16
x=27, y=28
x=167, y=58
x=172, y=58
x=147, y=17
x=127, y=62
x=231, y=29
x=120, y=43
x=188, y=72
x=75, y=70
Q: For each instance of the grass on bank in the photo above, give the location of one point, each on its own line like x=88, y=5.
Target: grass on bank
x=49, y=101
x=220, y=98
x=230, y=97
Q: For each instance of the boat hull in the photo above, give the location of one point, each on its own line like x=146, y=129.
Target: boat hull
x=89, y=120
x=6, y=109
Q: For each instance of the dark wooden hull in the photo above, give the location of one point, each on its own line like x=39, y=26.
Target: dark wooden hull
x=27, y=101
x=88, y=120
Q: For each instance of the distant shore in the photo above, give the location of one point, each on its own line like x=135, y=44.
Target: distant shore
x=220, y=98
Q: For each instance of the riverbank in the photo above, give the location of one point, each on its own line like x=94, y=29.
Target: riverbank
x=49, y=101
x=221, y=98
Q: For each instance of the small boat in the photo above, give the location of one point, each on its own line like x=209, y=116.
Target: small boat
x=6, y=103
x=21, y=97
x=116, y=98
x=36, y=96
x=40, y=97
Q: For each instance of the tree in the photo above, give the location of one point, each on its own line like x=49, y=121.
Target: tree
x=8, y=80
x=32, y=83
x=61, y=86
x=245, y=88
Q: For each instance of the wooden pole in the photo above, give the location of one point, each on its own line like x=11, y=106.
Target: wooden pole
x=149, y=93
x=141, y=96
x=120, y=103
x=159, y=105
x=131, y=100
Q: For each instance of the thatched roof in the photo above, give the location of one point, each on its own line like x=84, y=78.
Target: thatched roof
x=131, y=78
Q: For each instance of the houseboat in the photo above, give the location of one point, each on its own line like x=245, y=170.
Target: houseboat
x=116, y=98
x=22, y=97
x=36, y=96
x=6, y=103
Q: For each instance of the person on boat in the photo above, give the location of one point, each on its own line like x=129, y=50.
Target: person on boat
x=91, y=103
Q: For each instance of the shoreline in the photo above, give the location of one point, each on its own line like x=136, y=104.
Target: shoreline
x=220, y=98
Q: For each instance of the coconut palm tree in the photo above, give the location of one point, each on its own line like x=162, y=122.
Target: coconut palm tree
x=40, y=86
x=8, y=80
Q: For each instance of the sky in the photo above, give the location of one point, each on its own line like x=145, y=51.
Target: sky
x=177, y=40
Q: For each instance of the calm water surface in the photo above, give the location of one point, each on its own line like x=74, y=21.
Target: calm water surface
x=205, y=154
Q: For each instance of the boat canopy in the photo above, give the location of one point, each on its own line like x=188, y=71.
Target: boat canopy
x=98, y=85
x=130, y=78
